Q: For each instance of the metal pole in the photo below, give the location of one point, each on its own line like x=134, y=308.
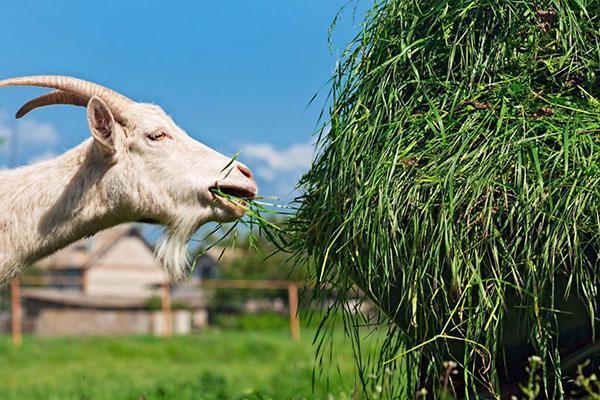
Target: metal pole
x=15, y=294
x=294, y=321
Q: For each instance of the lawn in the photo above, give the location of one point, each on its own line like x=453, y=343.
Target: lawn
x=209, y=365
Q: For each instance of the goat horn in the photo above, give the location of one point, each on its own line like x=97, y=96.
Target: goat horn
x=56, y=97
x=117, y=103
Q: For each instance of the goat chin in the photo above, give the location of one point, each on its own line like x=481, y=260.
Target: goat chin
x=171, y=249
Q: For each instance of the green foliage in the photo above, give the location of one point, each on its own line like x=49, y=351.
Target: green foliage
x=256, y=258
x=532, y=388
x=590, y=385
x=253, y=258
x=154, y=303
x=458, y=185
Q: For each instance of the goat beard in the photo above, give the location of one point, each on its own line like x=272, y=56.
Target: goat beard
x=171, y=250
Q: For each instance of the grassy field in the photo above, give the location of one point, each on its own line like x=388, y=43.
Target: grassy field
x=210, y=365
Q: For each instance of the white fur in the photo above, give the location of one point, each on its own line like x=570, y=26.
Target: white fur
x=94, y=186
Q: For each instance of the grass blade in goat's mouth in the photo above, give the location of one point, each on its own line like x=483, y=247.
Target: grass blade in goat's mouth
x=233, y=192
x=255, y=213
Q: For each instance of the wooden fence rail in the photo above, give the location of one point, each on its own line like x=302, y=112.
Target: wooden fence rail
x=291, y=286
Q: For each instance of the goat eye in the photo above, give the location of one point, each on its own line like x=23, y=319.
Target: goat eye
x=156, y=136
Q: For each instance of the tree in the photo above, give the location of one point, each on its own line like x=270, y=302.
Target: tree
x=251, y=258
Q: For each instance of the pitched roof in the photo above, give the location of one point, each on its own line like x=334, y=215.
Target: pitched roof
x=83, y=253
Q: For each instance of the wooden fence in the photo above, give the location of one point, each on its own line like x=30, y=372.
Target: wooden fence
x=291, y=286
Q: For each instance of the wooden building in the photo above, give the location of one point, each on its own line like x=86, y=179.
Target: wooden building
x=114, y=262
x=108, y=283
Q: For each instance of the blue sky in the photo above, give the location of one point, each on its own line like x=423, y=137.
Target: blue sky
x=236, y=75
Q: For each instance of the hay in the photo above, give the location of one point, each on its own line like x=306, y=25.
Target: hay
x=458, y=185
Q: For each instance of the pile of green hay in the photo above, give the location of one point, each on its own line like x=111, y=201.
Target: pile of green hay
x=458, y=187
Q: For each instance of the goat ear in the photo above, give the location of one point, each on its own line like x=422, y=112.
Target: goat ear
x=102, y=125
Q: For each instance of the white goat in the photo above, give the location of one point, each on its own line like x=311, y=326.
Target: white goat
x=138, y=166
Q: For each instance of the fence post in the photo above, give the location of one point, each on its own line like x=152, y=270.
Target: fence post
x=293, y=302
x=166, y=309
x=15, y=303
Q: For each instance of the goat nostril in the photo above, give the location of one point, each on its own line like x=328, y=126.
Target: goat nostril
x=245, y=171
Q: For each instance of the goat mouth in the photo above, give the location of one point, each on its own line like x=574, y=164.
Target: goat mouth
x=233, y=191
x=233, y=199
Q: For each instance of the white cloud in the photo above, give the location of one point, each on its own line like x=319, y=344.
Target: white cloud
x=275, y=162
x=266, y=173
x=35, y=139
x=39, y=133
x=278, y=169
